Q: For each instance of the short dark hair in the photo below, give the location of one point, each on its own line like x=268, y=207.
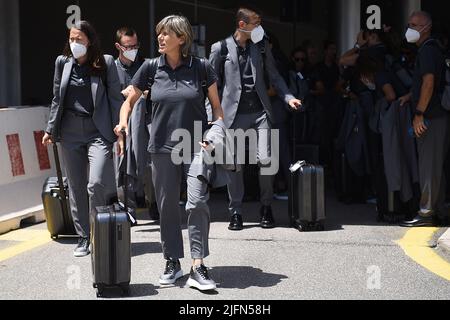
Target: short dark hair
x=367, y=65
x=298, y=49
x=244, y=13
x=424, y=14
x=125, y=31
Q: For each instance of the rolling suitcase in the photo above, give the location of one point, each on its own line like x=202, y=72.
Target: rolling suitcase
x=55, y=198
x=111, y=247
x=307, y=197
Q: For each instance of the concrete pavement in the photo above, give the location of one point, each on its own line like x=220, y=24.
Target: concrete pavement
x=356, y=258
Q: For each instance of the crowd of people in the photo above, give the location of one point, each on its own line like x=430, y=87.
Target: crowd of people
x=371, y=117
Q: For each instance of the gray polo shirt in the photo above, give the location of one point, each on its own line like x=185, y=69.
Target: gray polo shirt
x=178, y=100
x=79, y=93
x=429, y=60
x=126, y=73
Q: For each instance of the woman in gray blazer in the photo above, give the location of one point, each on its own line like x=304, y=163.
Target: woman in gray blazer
x=85, y=106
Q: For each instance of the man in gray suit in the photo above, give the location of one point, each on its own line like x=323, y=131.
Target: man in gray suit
x=244, y=74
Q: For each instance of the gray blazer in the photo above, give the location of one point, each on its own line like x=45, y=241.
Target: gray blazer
x=137, y=145
x=107, y=100
x=399, y=149
x=230, y=86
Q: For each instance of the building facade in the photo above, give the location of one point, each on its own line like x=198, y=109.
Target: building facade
x=34, y=32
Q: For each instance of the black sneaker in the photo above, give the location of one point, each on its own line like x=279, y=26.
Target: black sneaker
x=200, y=279
x=82, y=248
x=419, y=221
x=172, y=272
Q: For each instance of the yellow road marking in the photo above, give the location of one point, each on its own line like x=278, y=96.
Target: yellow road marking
x=21, y=235
x=34, y=239
x=415, y=245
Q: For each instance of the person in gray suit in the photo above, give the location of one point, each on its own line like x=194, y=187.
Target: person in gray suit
x=244, y=76
x=85, y=106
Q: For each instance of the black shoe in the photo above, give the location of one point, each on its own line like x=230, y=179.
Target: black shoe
x=172, y=272
x=200, y=279
x=418, y=221
x=267, y=220
x=82, y=248
x=236, y=223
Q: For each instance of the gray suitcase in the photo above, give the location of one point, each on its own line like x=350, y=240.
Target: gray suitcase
x=307, y=197
x=111, y=245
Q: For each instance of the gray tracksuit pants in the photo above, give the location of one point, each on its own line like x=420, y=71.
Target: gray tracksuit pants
x=89, y=168
x=167, y=180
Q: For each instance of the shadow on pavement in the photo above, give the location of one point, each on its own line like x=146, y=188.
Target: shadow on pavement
x=244, y=277
x=142, y=248
x=67, y=240
x=142, y=290
x=136, y=291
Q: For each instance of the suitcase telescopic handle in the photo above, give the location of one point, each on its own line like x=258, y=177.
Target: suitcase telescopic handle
x=59, y=174
x=125, y=164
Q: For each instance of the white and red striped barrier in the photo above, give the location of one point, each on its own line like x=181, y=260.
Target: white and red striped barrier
x=25, y=163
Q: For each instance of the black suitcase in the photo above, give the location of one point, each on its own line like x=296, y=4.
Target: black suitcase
x=307, y=197
x=111, y=249
x=55, y=198
x=306, y=194
x=111, y=246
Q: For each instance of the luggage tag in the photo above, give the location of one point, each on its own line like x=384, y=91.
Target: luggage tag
x=121, y=207
x=295, y=167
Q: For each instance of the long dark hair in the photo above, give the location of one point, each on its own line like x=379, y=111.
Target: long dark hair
x=95, y=58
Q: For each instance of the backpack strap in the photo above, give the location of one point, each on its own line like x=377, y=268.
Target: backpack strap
x=153, y=69
x=223, y=57
x=204, y=76
x=154, y=63
x=262, y=49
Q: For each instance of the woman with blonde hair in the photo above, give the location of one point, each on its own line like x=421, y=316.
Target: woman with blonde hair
x=179, y=84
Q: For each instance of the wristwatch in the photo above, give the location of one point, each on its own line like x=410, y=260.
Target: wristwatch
x=419, y=113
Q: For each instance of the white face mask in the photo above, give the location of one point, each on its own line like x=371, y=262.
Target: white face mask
x=412, y=36
x=131, y=54
x=257, y=34
x=78, y=50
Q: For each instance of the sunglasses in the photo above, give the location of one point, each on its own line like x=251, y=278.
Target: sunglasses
x=126, y=48
x=299, y=59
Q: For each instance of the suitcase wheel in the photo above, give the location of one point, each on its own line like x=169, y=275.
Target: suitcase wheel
x=320, y=227
x=125, y=291
x=302, y=227
x=100, y=291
